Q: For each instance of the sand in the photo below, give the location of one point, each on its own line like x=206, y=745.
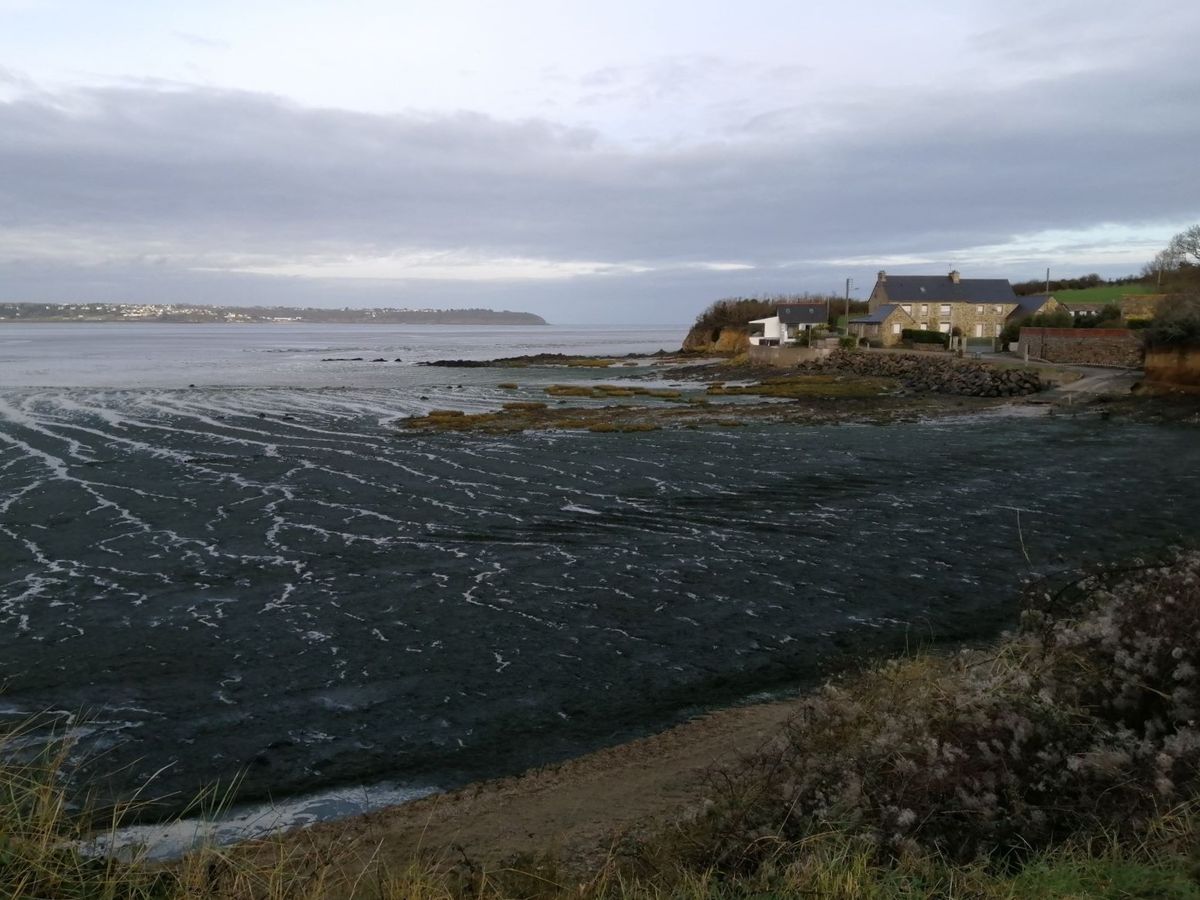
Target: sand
x=576, y=809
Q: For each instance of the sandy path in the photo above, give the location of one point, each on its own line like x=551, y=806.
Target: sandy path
x=576, y=808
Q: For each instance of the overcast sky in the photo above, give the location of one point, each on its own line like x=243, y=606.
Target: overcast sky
x=622, y=161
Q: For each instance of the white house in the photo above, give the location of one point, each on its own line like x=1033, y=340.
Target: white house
x=789, y=325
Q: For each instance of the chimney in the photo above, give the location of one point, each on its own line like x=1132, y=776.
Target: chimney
x=954, y=276
x=882, y=275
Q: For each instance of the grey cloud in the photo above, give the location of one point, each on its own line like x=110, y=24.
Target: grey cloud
x=223, y=174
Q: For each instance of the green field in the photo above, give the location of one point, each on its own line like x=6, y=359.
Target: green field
x=1104, y=293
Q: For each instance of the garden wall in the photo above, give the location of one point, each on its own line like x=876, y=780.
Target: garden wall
x=785, y=357
x=1083, y=346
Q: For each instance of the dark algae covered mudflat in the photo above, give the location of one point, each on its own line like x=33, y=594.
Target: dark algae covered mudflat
x=278, y=581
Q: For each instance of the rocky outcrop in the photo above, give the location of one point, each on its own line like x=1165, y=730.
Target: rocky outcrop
x=941, y=375
x=705, y=339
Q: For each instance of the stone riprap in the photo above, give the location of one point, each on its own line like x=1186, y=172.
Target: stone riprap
x=938, y=374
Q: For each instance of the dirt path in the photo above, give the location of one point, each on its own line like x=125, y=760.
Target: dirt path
x=577, y=808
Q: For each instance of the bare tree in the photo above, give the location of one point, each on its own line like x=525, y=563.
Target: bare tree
x=1185, y=246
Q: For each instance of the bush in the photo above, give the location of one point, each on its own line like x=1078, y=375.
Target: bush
x=1085, y=723
x=920, y=336
x=848, y=342
x=1177, y=323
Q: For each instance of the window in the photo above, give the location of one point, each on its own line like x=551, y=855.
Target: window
x=924, y=309
x=979, y=310
x=999, y=309
x=896, y=328
x=998, y=329
x=907, y=307
x=978, y=329
x=944, y=328
x=945, y=310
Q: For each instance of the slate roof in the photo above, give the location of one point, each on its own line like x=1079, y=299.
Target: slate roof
x=877, y=317
x=940, y=289
x=803, y=313
x=1029, y=306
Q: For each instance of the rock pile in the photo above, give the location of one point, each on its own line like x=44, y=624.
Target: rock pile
x=937, y=374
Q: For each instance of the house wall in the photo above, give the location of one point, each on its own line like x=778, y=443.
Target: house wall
x=989, y=317
x=1140, y=306
x=1083, y=346
x=878, y=296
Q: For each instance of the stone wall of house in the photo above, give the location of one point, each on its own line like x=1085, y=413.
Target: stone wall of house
x=1082, y=346
x=990, y=317
x=1175, y=366
x=785, y=357
x=1140, y=306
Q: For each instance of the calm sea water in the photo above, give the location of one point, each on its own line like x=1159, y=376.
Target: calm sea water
x=261, y=574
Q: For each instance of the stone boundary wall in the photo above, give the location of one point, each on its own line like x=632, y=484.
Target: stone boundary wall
x=1083, y=346
x=1174, y=366
x=785, y=357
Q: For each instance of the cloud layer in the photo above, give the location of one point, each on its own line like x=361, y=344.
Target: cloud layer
x=116, y=192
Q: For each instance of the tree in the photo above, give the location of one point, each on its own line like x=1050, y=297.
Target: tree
x=1185, y=246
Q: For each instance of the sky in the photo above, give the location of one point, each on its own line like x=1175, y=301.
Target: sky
x=617, y=162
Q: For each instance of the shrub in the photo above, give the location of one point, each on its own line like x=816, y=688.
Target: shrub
x=1177, y=323
x=848, y=342
x=920, y=336
x=1084, y=722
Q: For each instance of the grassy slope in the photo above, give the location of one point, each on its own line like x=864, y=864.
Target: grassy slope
x=1104, y=293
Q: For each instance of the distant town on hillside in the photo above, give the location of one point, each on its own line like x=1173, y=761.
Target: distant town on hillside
x=202, y=314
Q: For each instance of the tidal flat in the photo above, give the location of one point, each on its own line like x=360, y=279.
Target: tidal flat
x=289, y=584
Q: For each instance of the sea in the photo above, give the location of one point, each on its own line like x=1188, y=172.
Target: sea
x=224, y=561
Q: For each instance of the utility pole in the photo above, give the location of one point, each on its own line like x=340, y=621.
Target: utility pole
x=849, y=284
x=1047, y=280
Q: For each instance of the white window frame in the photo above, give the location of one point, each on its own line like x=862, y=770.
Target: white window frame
x=978, y=329
x=897, y=328
x=944, y=310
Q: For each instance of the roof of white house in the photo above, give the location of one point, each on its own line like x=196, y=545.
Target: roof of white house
x=813, y=313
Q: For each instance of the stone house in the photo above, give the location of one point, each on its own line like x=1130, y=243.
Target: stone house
x=1084, y=310
x=1035, y=305
x=883, y=326
x=976, y=307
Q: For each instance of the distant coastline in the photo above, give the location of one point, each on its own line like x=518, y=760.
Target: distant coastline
x=203, y=314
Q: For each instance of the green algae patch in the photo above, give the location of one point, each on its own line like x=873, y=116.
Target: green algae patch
x=507, y=385
x=589, y=363
x=523, y=404
x=807, y=387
